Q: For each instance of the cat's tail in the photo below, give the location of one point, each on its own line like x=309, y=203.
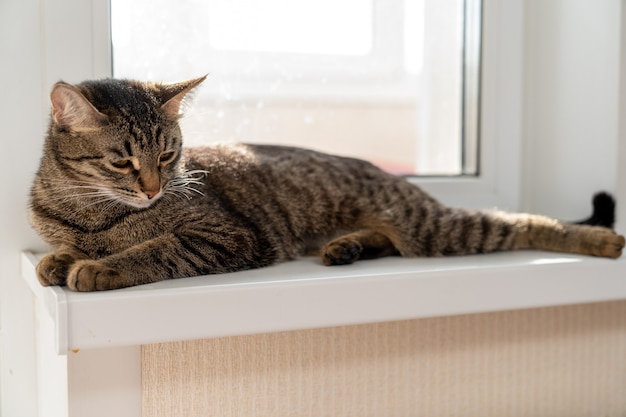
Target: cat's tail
x=603, y=211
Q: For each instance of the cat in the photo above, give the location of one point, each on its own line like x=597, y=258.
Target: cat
x=122, y=203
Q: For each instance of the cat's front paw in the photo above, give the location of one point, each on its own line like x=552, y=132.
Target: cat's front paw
x=89, y=275
x=53, y=268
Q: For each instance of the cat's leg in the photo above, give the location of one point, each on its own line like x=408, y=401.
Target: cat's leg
x=184, y=253
x=538, y=232
x=439, y=230
x=141, y=264
x=461, y=232
x=363, y=244
x=53, y=268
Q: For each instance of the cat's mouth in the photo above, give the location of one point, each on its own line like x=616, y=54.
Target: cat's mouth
x=143, y=200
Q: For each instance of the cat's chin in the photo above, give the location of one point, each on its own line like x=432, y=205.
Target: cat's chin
x=142, y=204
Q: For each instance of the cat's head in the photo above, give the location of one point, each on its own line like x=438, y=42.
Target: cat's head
x=120, y=137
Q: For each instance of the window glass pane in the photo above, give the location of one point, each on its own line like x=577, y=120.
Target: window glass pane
x=298, y=26
x=380, y=80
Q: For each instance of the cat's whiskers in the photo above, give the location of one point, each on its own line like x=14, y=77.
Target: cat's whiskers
x=108, y=205
x=74, y=197
x=107, y=200
x=68, y=185
x=71, y=191
x=182, y=186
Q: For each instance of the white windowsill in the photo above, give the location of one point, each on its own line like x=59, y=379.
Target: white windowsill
x=304, y=294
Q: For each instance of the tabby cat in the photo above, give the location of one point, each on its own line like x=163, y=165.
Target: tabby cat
x=122, y=203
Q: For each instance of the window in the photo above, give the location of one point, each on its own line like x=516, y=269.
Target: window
x=394, y=82
x=241, y=26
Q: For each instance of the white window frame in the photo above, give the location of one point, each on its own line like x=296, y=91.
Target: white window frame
x=501, y=98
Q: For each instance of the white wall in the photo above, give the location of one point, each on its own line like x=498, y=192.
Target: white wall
x=40, y=42
x=621, y=148
x=570, y=135
x=571, y=103
x=21, y=126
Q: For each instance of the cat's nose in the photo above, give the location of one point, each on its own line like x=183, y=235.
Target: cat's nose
x=151, y=193
x=150, y=183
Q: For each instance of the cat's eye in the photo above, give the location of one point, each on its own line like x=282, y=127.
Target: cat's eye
x=166, y=157
x=124, y=164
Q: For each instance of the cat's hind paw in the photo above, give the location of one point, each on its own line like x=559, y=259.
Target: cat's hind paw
x=611, y=245
x=598, y=241
x=341, y=251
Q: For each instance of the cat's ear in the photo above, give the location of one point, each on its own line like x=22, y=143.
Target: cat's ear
x=70, y=109
x=173, y=95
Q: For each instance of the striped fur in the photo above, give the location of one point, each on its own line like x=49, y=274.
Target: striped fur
x=122, y=203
